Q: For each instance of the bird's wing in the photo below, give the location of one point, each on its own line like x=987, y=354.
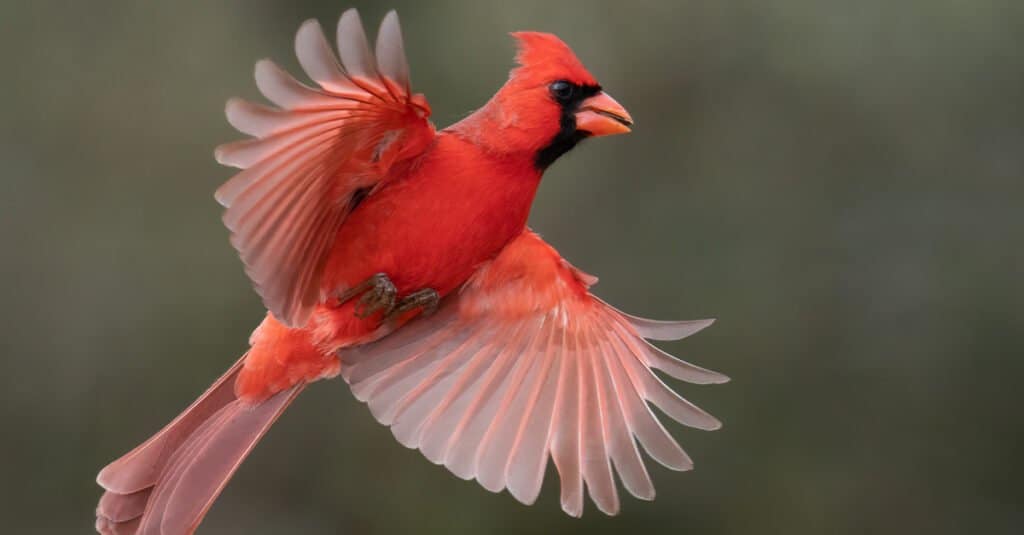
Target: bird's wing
x=522, y=363
x=314, y=156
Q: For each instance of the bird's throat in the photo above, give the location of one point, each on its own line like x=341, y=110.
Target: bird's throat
x=566, y=138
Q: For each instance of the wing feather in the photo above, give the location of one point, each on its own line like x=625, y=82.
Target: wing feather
x=391, y=52
x=311, y=153
x=318, y=61
x=522, y=365
x=288, y=93
x=384, y=401
x=353, y=47
x=528, y=457
x=596, y=466
x=464, y=444
x=565, y=434
x=494, y=451
x=658, y=393
x=619, y=434
x=417, y=405
x=445, y=418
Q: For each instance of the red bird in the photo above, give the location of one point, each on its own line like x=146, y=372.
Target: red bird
x=398, y=257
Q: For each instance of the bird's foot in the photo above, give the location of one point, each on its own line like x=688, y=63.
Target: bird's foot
x=378, y=295
x=426, y=300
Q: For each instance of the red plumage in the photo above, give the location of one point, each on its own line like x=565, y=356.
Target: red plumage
x=520, y=361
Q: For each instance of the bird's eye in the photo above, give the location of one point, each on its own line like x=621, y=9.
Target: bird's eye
x=562, y=91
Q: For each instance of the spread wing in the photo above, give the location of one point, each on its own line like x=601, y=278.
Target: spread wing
x=315, y=154
x=524, y=363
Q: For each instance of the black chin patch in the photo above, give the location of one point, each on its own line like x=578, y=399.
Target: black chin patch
x=568, y=136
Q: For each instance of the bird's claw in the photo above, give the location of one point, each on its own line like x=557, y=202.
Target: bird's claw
x=427, y=300
x=378, y=295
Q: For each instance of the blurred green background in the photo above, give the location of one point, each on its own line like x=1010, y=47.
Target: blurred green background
x=840, y=183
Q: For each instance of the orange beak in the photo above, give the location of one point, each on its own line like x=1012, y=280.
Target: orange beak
x=600, y=115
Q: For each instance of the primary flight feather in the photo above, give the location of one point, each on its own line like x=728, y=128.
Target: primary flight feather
x=398, y=257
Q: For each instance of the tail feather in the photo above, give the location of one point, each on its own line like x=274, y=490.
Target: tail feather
x=167, y=484
x=123, y=507
x=139, y=469
x=107, y=527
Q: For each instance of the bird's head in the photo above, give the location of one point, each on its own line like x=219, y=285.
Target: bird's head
x=551, y=102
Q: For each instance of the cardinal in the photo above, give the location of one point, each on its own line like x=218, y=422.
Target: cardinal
x=397, y=257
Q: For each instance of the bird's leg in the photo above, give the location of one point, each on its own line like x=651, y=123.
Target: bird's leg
x=426, y=300
x=379, y=295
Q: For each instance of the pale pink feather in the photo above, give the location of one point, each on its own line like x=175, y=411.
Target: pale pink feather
x=513, y=370
x=140, y=468
x=166, y=485
x=529, y=455
x=497, y=440
x=438, y=428
x=618, y=435
x=596, y=465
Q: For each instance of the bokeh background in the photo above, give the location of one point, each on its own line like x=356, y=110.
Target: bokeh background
x=840, y=183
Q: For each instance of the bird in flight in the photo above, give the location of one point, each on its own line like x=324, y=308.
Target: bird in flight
x=397, y=257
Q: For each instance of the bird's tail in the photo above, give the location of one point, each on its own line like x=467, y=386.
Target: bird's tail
x=167, y=484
